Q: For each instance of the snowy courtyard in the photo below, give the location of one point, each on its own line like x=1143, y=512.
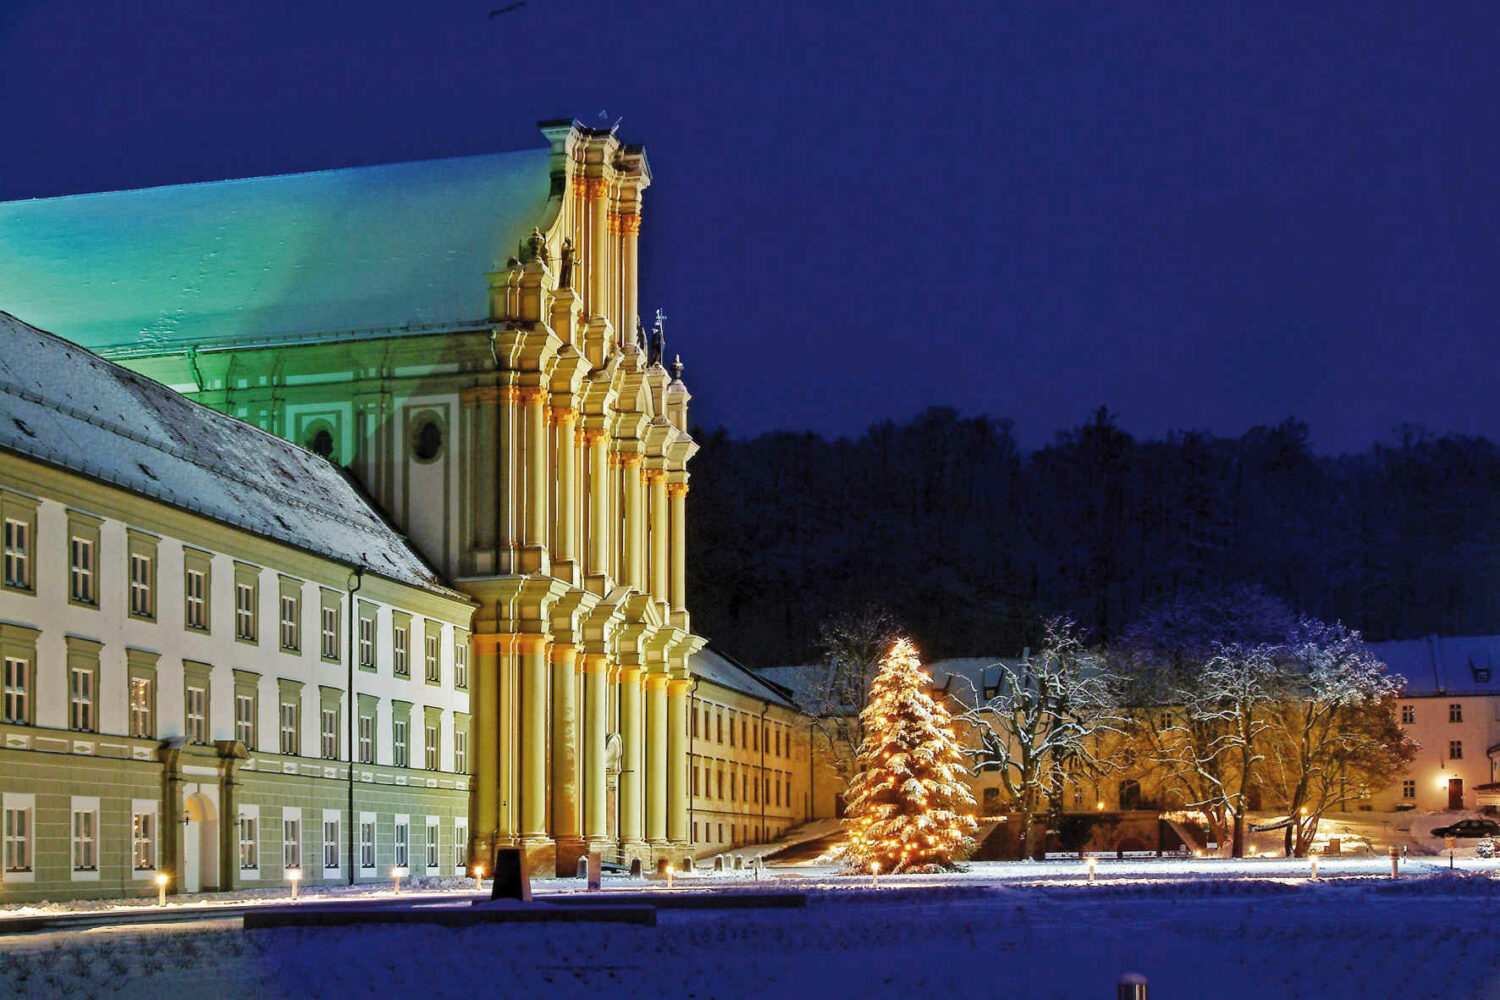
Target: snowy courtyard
x=1038, y=931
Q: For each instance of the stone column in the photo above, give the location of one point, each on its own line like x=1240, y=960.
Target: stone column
x=595, y=723
x=534, y=523
x=598, y=500
x=632, y=574
x=597, y=222
x=565, y=827
x=507, y=484
x=564, y=537
x=677, y=497
x=630, y=756
x=630, y=232
x=485, y=711
x=482, y=405
x=656, y=758
x=533, y=742
x=677, y=761
x=656, y=484
x=507, y=739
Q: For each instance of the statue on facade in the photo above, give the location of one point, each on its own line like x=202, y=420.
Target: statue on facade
x=658, y=340
x=565, y=267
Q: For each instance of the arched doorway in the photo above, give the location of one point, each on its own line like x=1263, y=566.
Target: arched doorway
x=200, y=844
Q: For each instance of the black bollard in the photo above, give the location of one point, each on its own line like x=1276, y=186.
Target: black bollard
x=511, y=879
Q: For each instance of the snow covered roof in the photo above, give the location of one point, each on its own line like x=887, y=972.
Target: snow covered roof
x=1444, y=665
x=72, y=409
x=370, y=250
x=719, y=669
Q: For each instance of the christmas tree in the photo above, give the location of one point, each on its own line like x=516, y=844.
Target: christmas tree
x=910, y=809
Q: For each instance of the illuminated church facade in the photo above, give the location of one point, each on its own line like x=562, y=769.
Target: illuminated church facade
x=463, y=337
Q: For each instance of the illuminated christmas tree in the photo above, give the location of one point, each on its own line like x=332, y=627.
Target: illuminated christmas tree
x=910, y=807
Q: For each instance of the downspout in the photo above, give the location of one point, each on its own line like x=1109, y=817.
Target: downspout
x=353, y=709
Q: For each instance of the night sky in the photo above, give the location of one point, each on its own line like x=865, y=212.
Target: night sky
x=1203, y=216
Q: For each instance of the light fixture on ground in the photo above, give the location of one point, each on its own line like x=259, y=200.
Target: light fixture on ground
x=295, y=875
x=396, y=875
x=161, y=888
x=1314, y=860
x=479, y=877
x=1093, y=864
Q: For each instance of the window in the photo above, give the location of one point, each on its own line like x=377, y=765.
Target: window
x=244, y=720
x=289, y=741
x=17, y=691
x=778, y=742
x=399, y=667
x=291, y=638
x=1408, y=714
x=142, y=600
x=1456, y=712
x=432, y=843
x=244, y=611
x=85, y=840
x=434, y=669
x=17, y=554
x=330, y=647
x=460, y=751
x=694, y=714
x=141, y=673
x=195, y=589
x=695, y=782
x=398, y=743
x=81, y=699
x=330, y=734
x=17, y=839
x=402, y=841
x=249, y=845
x=81, y=586
x=731, y=730
x=432, y=748
x=331, y=843
x=367, y=739
x=460, y=842
x=461, y=664
x=367, y=642
x=719, y=727
x=143, y=841
x=744, y=729
x=1408, y=789
x=197, y=715
x=291, y=843
x=367, y=842
x=1455, y=749
x=720, y=776
x=755, y=738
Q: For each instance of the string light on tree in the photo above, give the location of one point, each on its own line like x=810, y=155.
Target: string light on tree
x=910, y=808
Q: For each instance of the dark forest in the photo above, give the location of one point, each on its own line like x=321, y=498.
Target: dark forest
x=971, y=541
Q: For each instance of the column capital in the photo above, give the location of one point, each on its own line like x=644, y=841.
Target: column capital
x=595, y=188
x=677, y=490
x=654, y=476
x=655, y=682
x=563, y=652
x=678, y=686
x=559, y=415
x=630, y=223
x=530, y=394
x=595, y=663
x=593, y=435
x=630, y=459
x=530, y=643
x=490, y=642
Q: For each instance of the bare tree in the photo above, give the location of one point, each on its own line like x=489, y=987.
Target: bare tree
x=1334, y=728
x=1042, y=719
x=853, y=645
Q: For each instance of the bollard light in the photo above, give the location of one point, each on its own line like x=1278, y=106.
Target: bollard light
x=479, y=877
x=161, y=888
x=669, y=876
x=296, y=876
x=875, y=875
x=1395, y=860
x=1093, y=864
x=1314, y=866
x=396, y=874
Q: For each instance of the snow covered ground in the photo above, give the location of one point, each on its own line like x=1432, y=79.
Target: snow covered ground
x=1038, y=931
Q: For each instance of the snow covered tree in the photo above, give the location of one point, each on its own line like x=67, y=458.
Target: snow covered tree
x=854, y=644
x=910, y=808
x=1334, y=731
x=1045, y=717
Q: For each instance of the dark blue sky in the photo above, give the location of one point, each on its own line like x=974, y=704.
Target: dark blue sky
x=1204, y=216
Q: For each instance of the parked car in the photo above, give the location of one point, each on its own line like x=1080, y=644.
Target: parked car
x=1469, y=828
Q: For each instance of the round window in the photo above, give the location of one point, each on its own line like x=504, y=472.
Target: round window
x=427, y=440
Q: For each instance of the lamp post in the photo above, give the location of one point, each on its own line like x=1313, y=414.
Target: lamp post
x=161, y=888
x=479, y=877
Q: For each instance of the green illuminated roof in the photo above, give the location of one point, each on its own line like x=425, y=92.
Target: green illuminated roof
x=402, y=246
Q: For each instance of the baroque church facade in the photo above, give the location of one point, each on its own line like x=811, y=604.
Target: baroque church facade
x=462, y=336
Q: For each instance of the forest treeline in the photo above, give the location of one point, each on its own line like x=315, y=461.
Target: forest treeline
x=971, y=541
